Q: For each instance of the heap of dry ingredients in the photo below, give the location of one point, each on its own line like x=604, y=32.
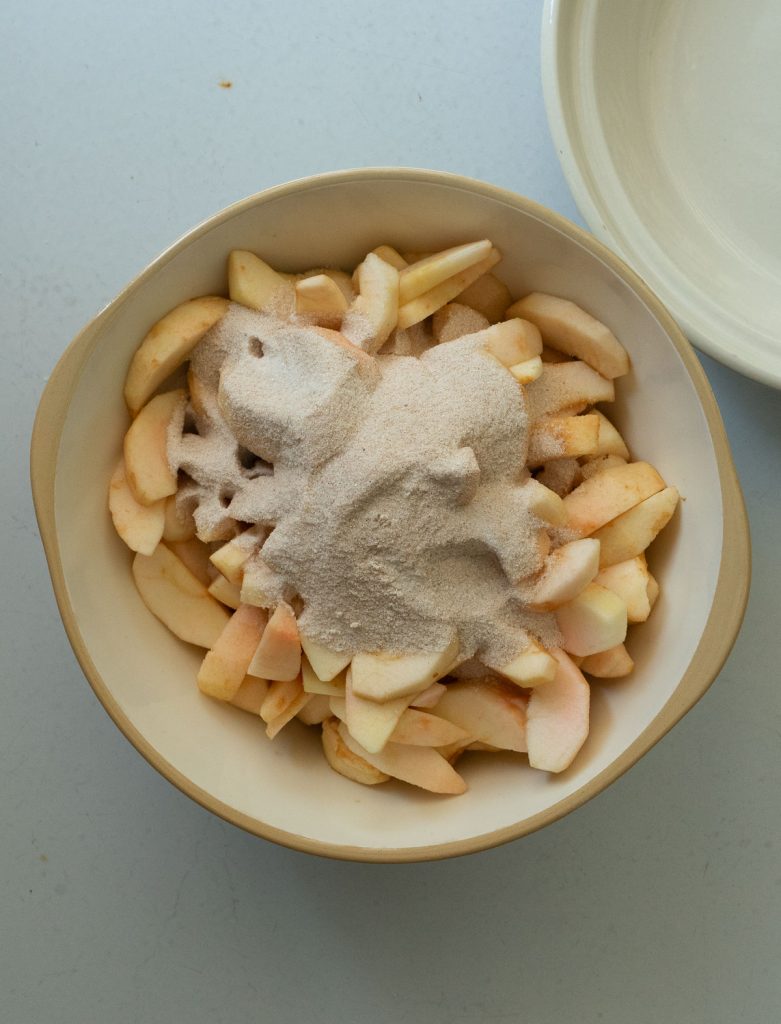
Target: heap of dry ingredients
x=397, y=505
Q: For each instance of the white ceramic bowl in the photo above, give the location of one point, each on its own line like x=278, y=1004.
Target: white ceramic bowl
x=284, y=790
x=667, y=120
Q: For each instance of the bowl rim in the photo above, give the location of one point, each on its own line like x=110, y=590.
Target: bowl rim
x=558, y=19
x=721, y=628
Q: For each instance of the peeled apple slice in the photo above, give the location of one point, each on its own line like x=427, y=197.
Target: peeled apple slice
x=383, y=677
x=595, y=621
x=557, y=718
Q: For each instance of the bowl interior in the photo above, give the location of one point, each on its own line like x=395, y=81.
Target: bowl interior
x=150, y=675
x=671, y=142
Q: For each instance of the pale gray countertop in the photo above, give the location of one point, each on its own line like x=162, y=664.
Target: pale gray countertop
x=121, y=899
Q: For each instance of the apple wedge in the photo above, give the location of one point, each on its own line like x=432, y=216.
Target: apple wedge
x=326, y=663
x=373, y=313
x=631, y=533
x=511, y=341
x=545, y=503
x=281, y=694
x=419, y=729
x=250, y=695
x=595, y=621
x=320, y=297
x=610, y=441
x=383, y=677
x=230, y=558
x=370, y=723
x=609, y=494
x=167, y=345
x=629, y=580
x=313, y=684
x=146, y=448
x=653, y=590
x=429, y=302
x=391, y=255
x=225, y=665
x=139, y=526
x=562, y=437
x=315, y=711
x=528, y=371
x=488, y=710
x=614, y=663
x=178, y=525
x=557, y=718
x=179, y=600
x=567, y=386
x=568, y=570
x=592, y=466
x=488, y=296
x=342, y=759
x=427, y=273
x=532, y=667
x=253, y=283
x=430, y=696
x=195, y=555
x=225, y=592
x=293, y=710
x=423, y=767
x=455, y=320
x=570, y=329
x=278, y=654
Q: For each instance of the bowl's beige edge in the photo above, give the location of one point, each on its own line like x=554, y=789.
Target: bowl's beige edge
x=718, y=637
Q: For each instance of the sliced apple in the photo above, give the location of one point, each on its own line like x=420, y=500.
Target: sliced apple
x=558, y=717
x=532, y=667
x=511, y=341
x=293, y=710
x=373, y=313
x=320, y=297
x=342, y=759
x=326, y=663
x=390, y=255
x=629, y=580
x=419, y=766
x=487, y=709
x=570, y=329
x=250, y=695
x=419, y=729
x=488, y=296
x=253, y=283
x=568, y=570
x=225, y=592
x=594, y=621
x=179, y=525
x=278, y=654
x=614, y=663
x=313, y=684
x=545, y=503
x=177, y=598
x=195, y=555
x=383, y=677
x=139, y=526
x=592, y=466
x=566, y=386
x=430, y=696
x=528, y=371
x=281, y=694
x=168, y=344
x=562, y=437
x=610, y=442
x=225, y=665
x=429, y=302
x=455, y=320
x=370, y=723
x=230, y=558
x=146, y=449
x=653, y=590
x=609, y=494
x=315, y=711
x=427, y=273
x=631, y=533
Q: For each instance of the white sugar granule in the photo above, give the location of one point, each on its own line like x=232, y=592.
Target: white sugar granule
x=397, y=500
